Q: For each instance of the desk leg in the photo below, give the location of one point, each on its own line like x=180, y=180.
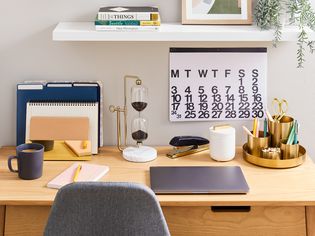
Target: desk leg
x=2, y=220
x=310, y=221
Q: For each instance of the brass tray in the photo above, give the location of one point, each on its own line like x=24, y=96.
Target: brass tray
x=276, y=164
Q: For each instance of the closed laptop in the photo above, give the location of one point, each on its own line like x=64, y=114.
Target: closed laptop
x=198, y=180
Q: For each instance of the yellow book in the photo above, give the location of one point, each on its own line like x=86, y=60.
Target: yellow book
x=150, y=23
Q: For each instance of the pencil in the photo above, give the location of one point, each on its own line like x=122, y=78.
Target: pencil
x=269, y=116
x=76, y=174
x=254, y=127
x=84, y=144
x=247, y=131
x=257, y=128
x=291, y=135
x=296, y=133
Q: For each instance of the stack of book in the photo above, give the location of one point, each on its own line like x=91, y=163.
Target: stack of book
x=127, y=18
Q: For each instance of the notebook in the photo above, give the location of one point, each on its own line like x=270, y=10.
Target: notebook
x=89, y=172
x=66, y=109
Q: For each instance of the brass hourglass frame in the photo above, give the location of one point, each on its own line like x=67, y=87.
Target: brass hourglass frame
x=123, y=109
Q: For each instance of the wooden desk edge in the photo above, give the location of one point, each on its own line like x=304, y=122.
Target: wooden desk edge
x=178, y=204
x=19, y=202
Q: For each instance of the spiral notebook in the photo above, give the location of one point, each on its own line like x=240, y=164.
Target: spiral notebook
x=66, y=109
x=89, y=172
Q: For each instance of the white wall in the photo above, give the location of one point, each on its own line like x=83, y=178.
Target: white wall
x=27, y=52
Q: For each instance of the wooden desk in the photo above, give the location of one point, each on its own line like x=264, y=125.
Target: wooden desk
x=282, y=201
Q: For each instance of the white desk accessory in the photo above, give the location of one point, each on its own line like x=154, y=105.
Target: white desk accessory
x=222, y=142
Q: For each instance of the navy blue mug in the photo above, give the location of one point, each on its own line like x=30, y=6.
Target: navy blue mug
x=29, y=161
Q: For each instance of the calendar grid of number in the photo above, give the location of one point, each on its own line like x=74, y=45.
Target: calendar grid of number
x=217, y=86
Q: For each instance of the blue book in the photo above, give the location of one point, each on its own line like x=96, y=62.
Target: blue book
x=54, y=92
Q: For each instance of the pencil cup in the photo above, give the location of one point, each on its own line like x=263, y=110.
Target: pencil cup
x=279, y=130
x=289, y=151
x=256, y=144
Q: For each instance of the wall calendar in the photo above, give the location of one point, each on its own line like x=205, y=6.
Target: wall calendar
x=212, y=84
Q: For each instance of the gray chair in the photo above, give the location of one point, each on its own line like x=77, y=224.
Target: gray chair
x=96, y=208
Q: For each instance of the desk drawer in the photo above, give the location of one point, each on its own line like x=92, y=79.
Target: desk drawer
x=258, y=221
x=26, y=220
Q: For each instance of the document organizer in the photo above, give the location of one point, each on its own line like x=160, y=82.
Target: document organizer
x=68, y=125
x=65, y=110
x=57, y=92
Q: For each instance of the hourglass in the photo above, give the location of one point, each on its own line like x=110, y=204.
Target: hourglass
x=139, y=129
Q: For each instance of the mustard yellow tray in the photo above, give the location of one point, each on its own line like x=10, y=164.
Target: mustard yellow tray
x=276, y=164
x=62, y=152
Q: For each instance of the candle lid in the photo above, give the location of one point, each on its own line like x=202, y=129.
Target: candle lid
x=222, y=129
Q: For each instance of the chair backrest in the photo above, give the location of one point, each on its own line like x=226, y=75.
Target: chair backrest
x=98, y=208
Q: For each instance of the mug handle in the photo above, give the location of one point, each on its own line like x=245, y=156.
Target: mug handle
x=10, y=164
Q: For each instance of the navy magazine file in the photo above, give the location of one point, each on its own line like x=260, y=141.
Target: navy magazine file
x=55, y=92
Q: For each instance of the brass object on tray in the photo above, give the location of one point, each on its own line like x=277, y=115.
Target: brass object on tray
x=289, y=151
x=271, y=153
x=256, y=144
x=277, y=164
x=279, y=129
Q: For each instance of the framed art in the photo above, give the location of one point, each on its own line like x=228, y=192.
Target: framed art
x=216, y=12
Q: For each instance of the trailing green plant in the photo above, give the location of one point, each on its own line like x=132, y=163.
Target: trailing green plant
x=268, y=15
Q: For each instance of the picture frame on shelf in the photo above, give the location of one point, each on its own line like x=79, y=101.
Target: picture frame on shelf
x=217, y=12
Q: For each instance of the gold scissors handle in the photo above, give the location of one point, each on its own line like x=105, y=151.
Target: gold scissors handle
x=280, y=108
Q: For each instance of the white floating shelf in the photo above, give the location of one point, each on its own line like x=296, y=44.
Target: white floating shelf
x=85, y=31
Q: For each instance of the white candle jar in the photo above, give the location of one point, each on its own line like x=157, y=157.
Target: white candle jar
x=222, y=143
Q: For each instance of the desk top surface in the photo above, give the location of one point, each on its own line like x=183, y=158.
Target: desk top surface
x=285, y=187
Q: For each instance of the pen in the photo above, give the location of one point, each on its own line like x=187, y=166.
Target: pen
x=265, y=127
x=296, y=131
x=76, y=174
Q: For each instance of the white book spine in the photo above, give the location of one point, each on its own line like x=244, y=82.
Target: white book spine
x=125, y=16
x=125, y=28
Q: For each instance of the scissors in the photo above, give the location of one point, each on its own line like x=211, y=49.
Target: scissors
x=280, y=108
